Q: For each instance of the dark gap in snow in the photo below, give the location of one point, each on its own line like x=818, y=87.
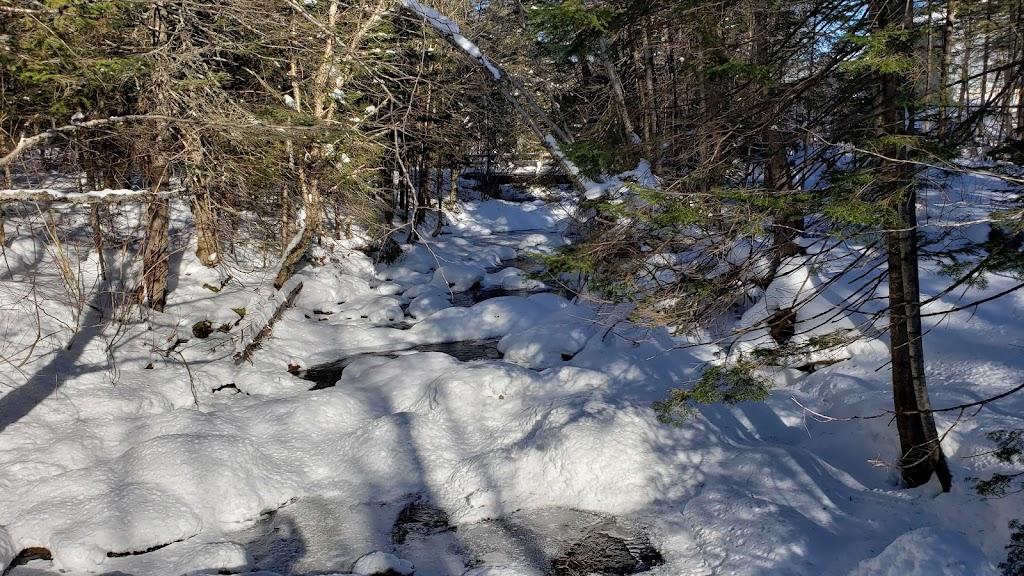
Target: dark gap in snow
x=420, y=519
x=603, y=553
x=782, y=325
x=466, y=351
x=228, y=386
x=467, y=299
x=28, y=555
x=327, y=375
x=139, y=552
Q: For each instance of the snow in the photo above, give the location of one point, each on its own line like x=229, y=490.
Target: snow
x=927, y=551
x=129, y=453
x=106, y=194
x=450, y=30
x=380, y=562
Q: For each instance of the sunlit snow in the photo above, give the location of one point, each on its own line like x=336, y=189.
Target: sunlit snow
x=143, y=449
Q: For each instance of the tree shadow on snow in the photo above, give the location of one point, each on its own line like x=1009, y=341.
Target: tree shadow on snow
x=61, y=367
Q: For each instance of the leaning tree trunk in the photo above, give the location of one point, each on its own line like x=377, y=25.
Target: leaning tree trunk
x=919, y=440
x=309, y=227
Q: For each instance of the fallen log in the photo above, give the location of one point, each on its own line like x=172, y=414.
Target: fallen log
x=246, y=352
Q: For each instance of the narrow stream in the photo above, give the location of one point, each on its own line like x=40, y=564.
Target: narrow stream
x=327, y=375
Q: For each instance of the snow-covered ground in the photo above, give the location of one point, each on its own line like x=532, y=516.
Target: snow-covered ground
x=144, y=449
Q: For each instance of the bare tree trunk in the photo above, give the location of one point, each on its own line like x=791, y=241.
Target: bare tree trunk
x=439, y=190
x=963, y=109
x=653, y=108
x=97, y=239
x=454, y=194
x=919, y=440
x=156, y=256
x=986, y=53
x=617, y=89
x=422, y=195
x=788, y=222
x=208, y=245
x=944, y=67
x=310, y=228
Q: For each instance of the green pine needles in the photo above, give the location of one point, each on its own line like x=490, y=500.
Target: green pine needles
x=1014, y=565
x=718, y=384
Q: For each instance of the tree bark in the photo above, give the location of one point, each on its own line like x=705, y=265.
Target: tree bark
x=207, y=243
x=919, y=440
x=310, y=228
x=944, y=67
x=156, y=256
x=617, y=90
x=97, y=239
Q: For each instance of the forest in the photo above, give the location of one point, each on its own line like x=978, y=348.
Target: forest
x=504, y=288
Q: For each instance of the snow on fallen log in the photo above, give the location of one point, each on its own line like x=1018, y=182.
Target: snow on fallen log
x=91, y=197
x=551, y=136
x=450, y=30
x=263, y=320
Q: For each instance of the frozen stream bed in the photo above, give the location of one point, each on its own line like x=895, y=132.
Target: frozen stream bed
x=145, y=449
x=316, y=534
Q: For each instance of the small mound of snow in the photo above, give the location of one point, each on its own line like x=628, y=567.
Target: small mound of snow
x=458, y=277
x=128, y=518
x=378, y=311
x=521, y=282
x=204, y=554
x=427, y=304
x=546, y=345
x=928, y=552
x=492, y=318
x=390, y=288
x=532, y=240
x=501, y=571
x=496, y=279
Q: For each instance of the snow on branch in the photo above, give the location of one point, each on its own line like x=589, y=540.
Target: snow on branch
x=91, y=197
x=551, y=136
x=450, y=31
x=44, y=137
x=26, y=143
